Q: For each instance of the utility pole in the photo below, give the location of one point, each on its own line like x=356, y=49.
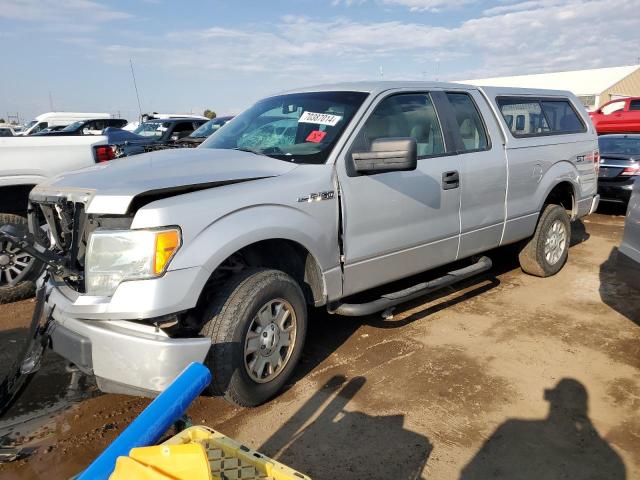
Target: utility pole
x=135, y=85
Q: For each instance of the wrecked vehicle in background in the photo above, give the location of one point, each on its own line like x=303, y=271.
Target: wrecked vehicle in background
x=197, y=136
x=214, y=254
x=150, y=134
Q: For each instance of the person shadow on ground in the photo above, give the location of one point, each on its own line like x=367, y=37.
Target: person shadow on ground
x=326, y=441
x=565, y=445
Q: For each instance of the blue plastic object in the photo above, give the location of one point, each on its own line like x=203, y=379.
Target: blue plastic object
x=154, y=420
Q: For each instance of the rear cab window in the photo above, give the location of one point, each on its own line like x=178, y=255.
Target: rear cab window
x=539, y=116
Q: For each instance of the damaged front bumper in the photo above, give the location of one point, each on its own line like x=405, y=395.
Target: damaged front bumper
x=125, y=356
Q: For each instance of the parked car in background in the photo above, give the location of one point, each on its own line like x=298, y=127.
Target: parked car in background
x=150, y=134
x=131, y=126
x=619, y=166
x=203, y=132
x=618, y=116
x=53, y=128
x=87, y=127
x=6, y=132
x=630, y=245
x=214, y=254
x=50, y=119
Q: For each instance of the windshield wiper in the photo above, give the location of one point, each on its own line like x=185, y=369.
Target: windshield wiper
x=255, y=152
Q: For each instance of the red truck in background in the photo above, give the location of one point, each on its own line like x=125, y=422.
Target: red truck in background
x=618, y=116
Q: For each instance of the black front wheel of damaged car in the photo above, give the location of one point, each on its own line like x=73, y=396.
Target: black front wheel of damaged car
x=257, y=323
x=547, y=251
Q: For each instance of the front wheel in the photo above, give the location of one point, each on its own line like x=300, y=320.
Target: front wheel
x=546, y=252
x=257, y=323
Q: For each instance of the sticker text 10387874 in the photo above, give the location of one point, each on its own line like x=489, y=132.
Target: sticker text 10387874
x=319, y=118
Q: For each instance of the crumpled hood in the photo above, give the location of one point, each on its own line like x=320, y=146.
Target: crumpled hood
x=109, y=187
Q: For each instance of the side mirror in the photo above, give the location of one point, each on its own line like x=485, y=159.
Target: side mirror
x=387, y=155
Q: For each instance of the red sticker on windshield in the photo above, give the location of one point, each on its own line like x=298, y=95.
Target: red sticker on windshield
x=316, y=136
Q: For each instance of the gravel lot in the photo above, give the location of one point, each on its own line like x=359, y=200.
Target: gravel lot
x=508, y=376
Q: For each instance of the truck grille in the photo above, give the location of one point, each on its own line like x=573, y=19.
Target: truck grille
x=65, y=222
x=69, y=228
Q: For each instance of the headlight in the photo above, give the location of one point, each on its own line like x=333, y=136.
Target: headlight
x=114, y=256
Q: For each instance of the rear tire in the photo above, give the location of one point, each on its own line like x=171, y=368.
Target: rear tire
x=257, y=323
x=23, y=289
x=546, y=252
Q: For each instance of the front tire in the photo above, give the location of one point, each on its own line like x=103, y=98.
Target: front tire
x=547, y=251
x=257, y=323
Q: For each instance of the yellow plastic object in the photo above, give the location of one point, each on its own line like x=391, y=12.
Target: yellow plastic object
x=229, y=459
x=164, y=462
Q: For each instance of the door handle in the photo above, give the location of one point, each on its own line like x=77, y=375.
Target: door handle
x=450, y=180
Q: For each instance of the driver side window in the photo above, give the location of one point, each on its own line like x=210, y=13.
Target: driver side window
x=405, y=115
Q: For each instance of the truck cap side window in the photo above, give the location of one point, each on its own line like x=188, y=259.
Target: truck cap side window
x=404, y=115
x=470, y=124
x=540, y=116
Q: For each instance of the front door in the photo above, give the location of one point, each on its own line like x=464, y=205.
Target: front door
x=397, y=224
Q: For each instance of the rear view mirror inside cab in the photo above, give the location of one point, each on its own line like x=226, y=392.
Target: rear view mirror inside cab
x=387, y=155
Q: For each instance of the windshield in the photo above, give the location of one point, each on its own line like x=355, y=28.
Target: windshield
x=208, y=128
x=300, y=127
x=152, y=129
x=30, y=124
x=73, y=127
x=619, y=145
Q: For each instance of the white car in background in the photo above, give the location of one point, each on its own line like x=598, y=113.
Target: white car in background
x=52, y=119
x=7, y=131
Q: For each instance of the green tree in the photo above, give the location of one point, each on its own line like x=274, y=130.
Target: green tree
x=2, y=120
x=209, y=114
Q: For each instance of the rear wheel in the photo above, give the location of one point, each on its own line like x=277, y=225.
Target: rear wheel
x=257, y=324
x=17, y=268
x=546, y=252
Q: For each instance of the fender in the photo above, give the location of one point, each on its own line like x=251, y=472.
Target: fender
x=559, y=172
x=243, y=227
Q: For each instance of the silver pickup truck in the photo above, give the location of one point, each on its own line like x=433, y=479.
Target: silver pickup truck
x=307, y=198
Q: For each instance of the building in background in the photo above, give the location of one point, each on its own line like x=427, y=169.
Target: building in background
x=594, y=87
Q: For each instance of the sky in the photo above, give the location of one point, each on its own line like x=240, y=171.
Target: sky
x=226, y=54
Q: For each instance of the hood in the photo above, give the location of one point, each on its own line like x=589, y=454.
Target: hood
x=110, y=187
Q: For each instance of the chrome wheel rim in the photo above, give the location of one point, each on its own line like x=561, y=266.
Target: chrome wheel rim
x=555, y=242
x=14, y=264
x=270, y=340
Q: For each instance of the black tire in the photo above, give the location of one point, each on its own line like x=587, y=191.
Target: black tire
x=26, y=288
x=533, y=259
x=228, y=319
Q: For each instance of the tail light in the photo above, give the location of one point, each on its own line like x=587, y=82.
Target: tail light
x=104, y=153
x=632, y=170
x=595, y=157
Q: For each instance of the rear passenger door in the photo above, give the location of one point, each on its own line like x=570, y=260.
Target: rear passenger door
x=396, y=224
x=483, y=172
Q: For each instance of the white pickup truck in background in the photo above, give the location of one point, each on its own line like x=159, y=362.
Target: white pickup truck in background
x=25, y=162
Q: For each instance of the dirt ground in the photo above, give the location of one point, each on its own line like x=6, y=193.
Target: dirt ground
x=507, y=376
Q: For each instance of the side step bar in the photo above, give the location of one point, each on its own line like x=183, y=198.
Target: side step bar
x=392, y=299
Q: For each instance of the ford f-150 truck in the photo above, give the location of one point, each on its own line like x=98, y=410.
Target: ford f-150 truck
x=215, y=254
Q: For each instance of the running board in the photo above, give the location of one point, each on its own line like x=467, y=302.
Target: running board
x=392, y=299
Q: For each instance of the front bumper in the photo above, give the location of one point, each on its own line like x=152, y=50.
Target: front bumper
x=125, y=356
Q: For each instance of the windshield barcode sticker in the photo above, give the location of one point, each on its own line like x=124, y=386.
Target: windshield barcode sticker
x=319, y=118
